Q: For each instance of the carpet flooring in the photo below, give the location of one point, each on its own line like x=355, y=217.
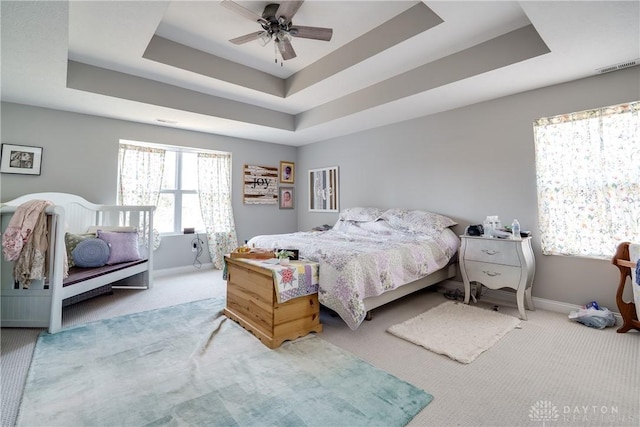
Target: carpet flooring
x=589, y=377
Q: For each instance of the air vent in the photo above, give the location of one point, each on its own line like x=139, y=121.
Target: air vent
x=169, y=122
x=619, y=66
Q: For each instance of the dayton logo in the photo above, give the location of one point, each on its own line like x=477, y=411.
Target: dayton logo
x=543, y=410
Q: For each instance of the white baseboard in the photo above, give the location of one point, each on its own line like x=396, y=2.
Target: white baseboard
x=182, y=269
x=502, y=296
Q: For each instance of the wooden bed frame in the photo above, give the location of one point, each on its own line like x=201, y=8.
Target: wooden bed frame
x=628, y=311
x=41, y=304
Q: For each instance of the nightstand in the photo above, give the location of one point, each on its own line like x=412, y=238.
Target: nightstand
x=499, y=263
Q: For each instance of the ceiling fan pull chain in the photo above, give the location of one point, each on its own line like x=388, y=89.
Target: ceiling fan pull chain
x=276, y=50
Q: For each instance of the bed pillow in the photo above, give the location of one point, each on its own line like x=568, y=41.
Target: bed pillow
x=360, y=214
x=71, y=240
x=91, y=252
x=348, y=227
x=123, y=246
x=368, y=228
x=417, y=221
x=380, y=227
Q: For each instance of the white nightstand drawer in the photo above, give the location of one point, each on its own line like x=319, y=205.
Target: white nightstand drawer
x=493, y=251
x=493, y=276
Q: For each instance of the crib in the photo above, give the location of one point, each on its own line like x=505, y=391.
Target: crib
x=41, y=304
x=626, y=258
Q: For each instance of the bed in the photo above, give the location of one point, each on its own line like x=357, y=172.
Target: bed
x=626, y=259
x=372, y=257
x=128, y=233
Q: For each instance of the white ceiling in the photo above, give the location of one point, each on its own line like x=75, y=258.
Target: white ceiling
x=388, y=61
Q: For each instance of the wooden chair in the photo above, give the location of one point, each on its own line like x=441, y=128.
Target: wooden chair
x=628, y=311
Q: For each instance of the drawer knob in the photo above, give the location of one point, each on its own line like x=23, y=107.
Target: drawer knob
x=491, y=273
x=489, y=251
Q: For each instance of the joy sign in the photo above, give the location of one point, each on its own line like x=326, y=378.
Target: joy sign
x=260, y=185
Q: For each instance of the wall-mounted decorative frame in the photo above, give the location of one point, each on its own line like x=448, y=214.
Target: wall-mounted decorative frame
x=287, y=172
x=21, y=159
x=260, y=185
x=324, y=189
x=286, y=198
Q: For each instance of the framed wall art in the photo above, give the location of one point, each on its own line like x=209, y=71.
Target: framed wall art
x=286, y=197
x=323, y=189
x=21, y=159
x=260, y=185
x=287, y=172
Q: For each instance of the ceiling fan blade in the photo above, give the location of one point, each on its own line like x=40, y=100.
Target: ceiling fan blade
x=287, y=9
x=241, y=10
x=316, y=33
x=286, y=50
x=247, y=37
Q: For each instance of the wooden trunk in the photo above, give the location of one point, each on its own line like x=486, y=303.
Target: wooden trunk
x=252, y=302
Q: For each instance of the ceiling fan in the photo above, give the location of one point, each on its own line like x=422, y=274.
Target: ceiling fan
x=277, y=25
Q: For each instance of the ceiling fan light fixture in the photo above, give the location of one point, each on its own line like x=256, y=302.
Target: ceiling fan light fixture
x=265, y=38
x=277, y=25
x=283, y=36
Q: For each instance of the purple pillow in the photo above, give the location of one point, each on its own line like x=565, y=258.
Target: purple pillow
x=124, y=246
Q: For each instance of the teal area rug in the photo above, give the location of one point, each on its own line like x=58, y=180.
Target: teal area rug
x=189, y=365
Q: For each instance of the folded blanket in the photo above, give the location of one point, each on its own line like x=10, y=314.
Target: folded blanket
x=297, y=279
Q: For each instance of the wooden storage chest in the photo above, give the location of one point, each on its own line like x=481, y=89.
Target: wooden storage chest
x=252, y=302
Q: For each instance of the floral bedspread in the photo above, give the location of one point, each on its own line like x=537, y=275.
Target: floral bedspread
x=355, y=266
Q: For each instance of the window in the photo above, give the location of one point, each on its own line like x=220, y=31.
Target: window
x=178, y=205
x=189, y=187
x=588, y=180
x=164, y=176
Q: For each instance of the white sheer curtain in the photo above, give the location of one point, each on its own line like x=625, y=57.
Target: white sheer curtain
x=140, y=178
x=214, y=190
x=588, y=178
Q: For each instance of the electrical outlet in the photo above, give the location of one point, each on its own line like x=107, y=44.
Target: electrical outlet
x=194, y=247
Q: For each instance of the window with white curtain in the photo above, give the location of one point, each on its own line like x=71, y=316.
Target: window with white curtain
x=164, y=176
x=588, y=180
x=189, y=187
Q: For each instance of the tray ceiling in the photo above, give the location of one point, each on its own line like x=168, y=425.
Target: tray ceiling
x=171, y=64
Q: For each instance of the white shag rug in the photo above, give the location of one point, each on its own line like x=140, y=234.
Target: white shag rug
x=457, y=330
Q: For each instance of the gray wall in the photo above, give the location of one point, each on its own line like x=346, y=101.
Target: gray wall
x=469, y=163
x=81, y=153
